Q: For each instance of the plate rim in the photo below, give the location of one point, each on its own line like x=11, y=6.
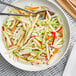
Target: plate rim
x=61, y=56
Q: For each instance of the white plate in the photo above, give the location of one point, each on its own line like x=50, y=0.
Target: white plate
x=57, y=57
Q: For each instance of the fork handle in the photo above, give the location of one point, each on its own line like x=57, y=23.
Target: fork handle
x=9, y=14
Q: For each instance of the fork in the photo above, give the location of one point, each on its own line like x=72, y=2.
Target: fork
x=32, y=13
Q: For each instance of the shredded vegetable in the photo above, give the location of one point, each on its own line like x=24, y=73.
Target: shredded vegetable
x=32, y=8
x=33, y=40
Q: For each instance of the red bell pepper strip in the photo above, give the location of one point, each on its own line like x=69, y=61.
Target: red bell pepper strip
x=46, y=58
x=53, y=37
x=5, y=38
x=45, y=15
x=30, y=38
x=10, y=46
x=59, y=29
x=37, y=25
x=51, y=56
x=2, y=28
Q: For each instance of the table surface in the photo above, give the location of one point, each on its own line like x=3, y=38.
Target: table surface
x=7, y=69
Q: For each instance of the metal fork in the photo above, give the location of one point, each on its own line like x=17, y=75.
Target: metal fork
x=33, y=14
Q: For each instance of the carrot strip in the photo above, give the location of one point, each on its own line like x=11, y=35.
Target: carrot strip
x=42, y=47
x=38, y=63
x=40, y=43
x=28, y=13
x=55, y=51
x=49, y=37
x=11, y=42
x=21, y=39
x=32, y=8
x=25, y=54
x=17, y=45
x=39, y=58
x=60, y=35
x=19, y=11
x=13, y=29
x=60, y=31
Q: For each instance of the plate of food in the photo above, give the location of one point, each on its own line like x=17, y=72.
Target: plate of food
x=34, y=43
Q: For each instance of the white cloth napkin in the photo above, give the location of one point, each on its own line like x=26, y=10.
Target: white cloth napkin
x=70, y=69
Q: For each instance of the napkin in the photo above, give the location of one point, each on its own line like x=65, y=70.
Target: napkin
x=70, y=69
